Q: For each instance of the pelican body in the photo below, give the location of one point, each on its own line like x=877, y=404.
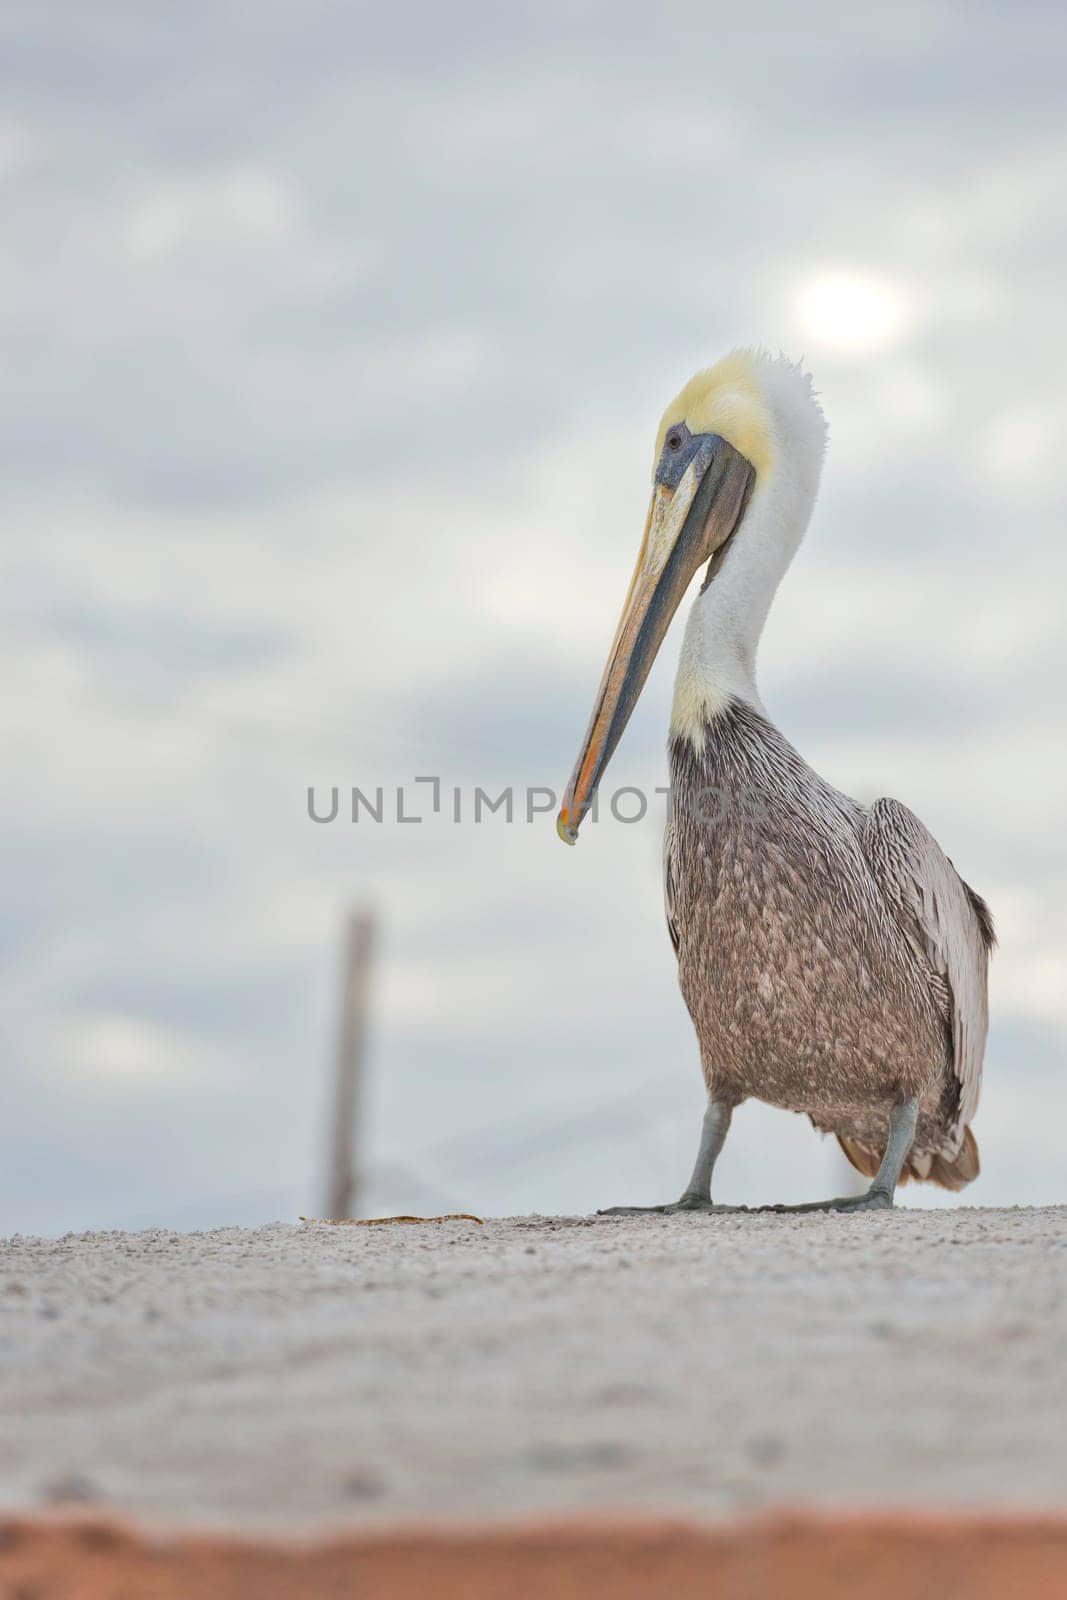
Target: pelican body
x=832, y=960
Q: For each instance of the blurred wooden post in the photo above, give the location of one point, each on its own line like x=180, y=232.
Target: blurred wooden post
x=344, y=1180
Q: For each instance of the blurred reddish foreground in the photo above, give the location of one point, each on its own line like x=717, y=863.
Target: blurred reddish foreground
x=802, y=1557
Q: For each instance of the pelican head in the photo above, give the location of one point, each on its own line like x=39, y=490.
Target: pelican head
x=715, y=441
x=740, y=446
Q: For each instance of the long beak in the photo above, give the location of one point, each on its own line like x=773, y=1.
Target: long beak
x=685, y=527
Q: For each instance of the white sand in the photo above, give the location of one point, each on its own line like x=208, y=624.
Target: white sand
x=297, y=1375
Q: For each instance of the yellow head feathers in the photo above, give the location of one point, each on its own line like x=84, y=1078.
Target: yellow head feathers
x=726, y=399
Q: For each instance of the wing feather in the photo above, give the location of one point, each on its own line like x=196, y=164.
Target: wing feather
x=669, y=842
x=947, y=924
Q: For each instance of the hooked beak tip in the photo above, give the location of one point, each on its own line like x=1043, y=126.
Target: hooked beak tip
x=568, y=834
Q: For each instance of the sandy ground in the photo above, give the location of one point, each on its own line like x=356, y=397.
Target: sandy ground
x=296, y=1377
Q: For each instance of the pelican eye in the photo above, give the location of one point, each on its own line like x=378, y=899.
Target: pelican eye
x=674, y=441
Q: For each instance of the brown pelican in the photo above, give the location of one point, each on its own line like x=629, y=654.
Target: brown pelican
x=831, y=958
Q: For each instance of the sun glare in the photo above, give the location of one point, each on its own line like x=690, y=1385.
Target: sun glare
x=850, y=313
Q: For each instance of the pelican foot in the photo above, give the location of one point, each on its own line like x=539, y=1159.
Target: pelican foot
x=688, y=1202
x=872, y=1200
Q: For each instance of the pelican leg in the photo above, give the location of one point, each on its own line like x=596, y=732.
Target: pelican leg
x=879, y=1197
x=697, y=1196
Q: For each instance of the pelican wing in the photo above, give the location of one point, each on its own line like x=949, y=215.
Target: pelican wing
x=948, y=926
x=669, y=841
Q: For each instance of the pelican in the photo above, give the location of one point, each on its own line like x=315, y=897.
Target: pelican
x=832, y=960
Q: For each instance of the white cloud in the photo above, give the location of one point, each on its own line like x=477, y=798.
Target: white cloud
x=232, y=210
x=16, y=147
x=133, y=1051
x=1021, y=454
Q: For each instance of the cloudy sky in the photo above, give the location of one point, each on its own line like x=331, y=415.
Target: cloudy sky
x=335, y=340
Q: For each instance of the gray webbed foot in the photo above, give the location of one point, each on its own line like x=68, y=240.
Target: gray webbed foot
x=872, y=1200
x=688, y=1202
x=879, y=1197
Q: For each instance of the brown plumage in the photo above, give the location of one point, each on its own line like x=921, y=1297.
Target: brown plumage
x=937, y=1169
x=831, y=959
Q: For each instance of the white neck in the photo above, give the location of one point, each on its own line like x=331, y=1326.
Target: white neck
x=718, y=662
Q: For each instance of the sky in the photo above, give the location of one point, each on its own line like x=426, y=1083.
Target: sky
x=335, y=339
